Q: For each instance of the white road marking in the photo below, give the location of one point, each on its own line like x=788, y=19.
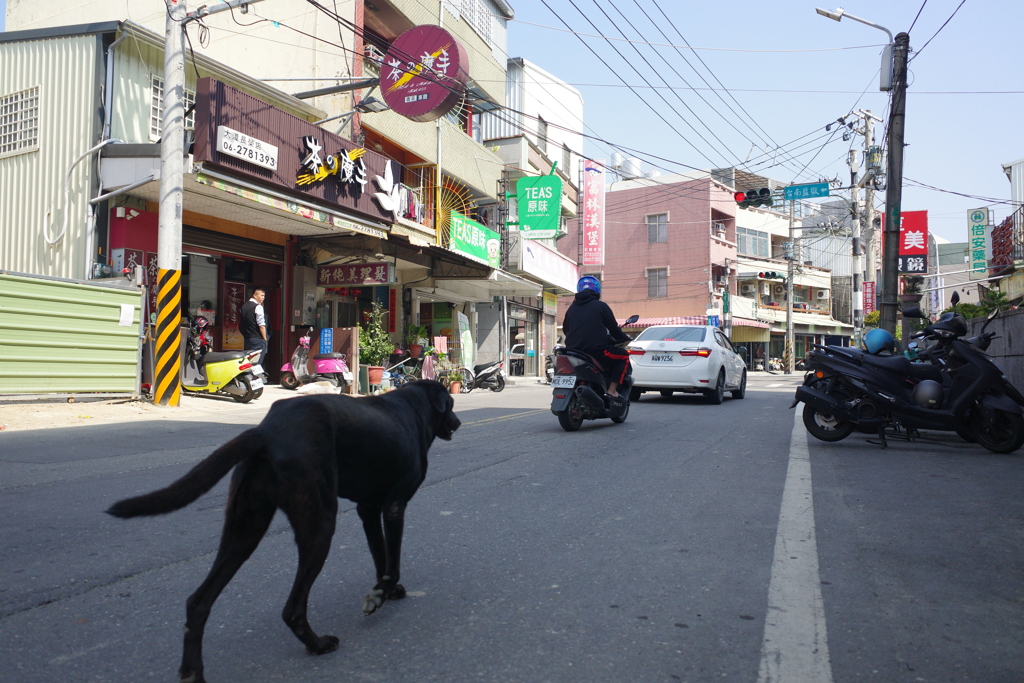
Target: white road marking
x=776, y=385
x=795, y=646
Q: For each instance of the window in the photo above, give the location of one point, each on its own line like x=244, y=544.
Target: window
x=566, y=159
x=542, y=135
x=657, y=228
x=689, y=334
x=156, y=109
x=657, y=282
x=19, y=122
x=752, y=242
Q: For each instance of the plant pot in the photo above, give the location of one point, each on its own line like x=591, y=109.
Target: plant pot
x=374, y=374
x=415, y=350
x=910, y=298
x=455, y=387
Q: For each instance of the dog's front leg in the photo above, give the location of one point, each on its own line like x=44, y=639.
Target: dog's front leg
x=371, y=518
x=386, y=547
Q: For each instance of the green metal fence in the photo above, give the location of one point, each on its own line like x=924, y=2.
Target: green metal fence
x=61, y=336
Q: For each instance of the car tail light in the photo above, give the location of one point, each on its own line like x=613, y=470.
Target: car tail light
x=635, y=351
x=564, y=366
x=703, y=353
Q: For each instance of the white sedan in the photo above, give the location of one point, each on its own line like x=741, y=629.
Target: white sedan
x=687, y=358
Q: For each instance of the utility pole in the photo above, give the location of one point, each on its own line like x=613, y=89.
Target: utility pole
x=167, y=380
x=858, y=298
x=894, y=184
x=790, y=346
x=868, y=215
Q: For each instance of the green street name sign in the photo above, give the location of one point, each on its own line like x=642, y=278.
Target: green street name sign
x=540, y=206
x=474, y=240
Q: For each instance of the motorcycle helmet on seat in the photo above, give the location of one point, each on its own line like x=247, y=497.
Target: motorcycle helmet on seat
x=201, y=322
x=588, y=282
x=878, y=340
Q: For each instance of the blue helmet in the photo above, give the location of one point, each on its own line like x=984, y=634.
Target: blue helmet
x=878, y=340
x=588, y=282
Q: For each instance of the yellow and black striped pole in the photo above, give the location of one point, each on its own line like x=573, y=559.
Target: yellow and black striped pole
x=167, y=382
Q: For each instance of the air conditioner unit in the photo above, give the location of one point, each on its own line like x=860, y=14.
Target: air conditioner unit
x=780, y=289
x=766, y=288
x=748, y=289
x=822, y=294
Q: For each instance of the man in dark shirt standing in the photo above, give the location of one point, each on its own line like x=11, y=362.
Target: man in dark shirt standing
x=253, y=323
x=590, y=327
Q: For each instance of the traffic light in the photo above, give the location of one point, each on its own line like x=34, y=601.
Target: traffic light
x=771, y=275
x=762, y=197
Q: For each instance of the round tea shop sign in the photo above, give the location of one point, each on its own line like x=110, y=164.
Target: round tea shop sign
x=424, y=73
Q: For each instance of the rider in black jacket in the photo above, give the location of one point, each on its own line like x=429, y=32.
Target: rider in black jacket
x=590, y=327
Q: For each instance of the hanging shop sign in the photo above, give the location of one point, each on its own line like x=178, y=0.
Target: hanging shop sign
x=979, y=241
x=546, y=265
x=424, y=73
x=913, y=255
x=356, y=274
x=539, y=199
x=593, y=212
x=475, y=240
x=300, y=158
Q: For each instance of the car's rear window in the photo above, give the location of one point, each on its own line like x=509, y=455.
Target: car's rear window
x=689, y=334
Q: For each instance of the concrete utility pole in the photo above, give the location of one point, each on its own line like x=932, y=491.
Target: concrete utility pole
x=868, y=215
x=790, y=346
x=858, y=298
x=894, y=184
x=167, y=380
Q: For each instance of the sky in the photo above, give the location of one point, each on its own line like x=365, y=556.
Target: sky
x=786, y=80
x=764, y=79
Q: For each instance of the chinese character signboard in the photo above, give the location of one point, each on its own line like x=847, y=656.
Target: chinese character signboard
x=424, y=73
x=234, y=297
x=474, y=240
x=356, y=274
x=540, y=206
x=593, y=212
x=913, y=256
x=808, y=191
x=979, y=242
x=869, y=297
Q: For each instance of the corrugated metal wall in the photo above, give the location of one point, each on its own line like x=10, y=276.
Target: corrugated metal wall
x=507, y=124
x=32, y=184
x=58, y=336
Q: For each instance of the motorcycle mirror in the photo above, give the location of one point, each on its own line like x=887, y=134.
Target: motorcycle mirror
x=955, y=298
x=989, y=318
x=912, y=312
x=631, y=319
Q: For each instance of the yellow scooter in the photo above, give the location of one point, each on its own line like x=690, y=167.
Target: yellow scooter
x=232, y=373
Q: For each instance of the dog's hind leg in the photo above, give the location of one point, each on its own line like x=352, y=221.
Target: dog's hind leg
x=246, y=519
x=314, y=528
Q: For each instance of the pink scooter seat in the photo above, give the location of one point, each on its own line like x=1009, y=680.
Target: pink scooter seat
x=329, y=356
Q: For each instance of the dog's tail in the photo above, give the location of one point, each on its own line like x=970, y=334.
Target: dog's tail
x=200, y=479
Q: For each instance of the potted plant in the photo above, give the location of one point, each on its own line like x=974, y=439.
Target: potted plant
x=454, y=381
x=375, y=345
x=416, y=338
x=912, y=285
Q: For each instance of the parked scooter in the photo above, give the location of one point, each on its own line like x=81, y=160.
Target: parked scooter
x=549, y=362
x=328, y=367
x=961, y=389
x=483, y=376
x=579, y=389
x=231, y=373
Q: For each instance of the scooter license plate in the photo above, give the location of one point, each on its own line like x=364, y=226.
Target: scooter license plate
x=563, y=382
x=257, y=370
x=256, y=382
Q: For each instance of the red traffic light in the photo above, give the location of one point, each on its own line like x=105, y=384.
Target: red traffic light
x=739, y=196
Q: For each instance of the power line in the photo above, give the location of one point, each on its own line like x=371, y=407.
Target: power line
x=916, y=18
x=918, y=52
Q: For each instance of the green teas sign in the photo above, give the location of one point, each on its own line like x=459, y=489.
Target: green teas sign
x=474, y=240
x=540, y=206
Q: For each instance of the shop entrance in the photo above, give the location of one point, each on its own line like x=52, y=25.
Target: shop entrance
x=524, y=338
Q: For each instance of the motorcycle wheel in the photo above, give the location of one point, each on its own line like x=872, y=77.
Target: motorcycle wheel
x=571, y=418
x=622, y=418
x=249, y=394
x=288, y=381
x=499, y=384
x=967, y=434
x=258, y=393
x=824, y=426
x=1004, y=434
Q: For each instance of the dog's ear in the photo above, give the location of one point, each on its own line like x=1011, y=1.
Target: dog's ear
x=439, y=398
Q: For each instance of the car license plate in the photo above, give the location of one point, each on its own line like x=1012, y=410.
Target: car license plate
x=564, y=382
x=661, y=358
x=256, y=382
x=257, y=370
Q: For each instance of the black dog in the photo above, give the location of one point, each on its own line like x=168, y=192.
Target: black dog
x=308, y=452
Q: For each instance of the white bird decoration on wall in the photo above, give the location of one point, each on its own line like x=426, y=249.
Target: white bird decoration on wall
x=389, y=196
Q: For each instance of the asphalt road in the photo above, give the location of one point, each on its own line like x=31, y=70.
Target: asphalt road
x=691, y=543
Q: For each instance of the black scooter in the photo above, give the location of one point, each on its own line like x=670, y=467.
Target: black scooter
x=579, y=389
x=848, y=389
x=483, y=376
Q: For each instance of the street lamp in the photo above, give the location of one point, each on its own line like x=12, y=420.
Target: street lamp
x=893, y=77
